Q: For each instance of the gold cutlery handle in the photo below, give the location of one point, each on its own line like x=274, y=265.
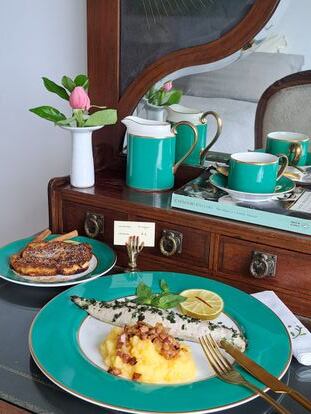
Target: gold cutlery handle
x=301, y=399
x=265, y=396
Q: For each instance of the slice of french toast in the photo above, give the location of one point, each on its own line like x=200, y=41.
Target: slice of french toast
x=52, y=258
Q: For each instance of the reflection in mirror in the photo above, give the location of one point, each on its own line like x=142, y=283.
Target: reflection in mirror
x=164, y=26
x=232, y=87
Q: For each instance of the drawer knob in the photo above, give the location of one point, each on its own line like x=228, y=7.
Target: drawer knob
x=263, y=265
x=93, y=224
x=171, y=242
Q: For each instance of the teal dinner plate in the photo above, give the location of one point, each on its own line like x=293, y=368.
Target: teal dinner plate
x=54, y=345
x=103, y=260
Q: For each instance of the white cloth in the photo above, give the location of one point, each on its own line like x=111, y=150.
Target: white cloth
x=299, y=334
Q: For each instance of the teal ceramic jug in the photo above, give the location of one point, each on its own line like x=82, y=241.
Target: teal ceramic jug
x=177, y=113
x=151, y=145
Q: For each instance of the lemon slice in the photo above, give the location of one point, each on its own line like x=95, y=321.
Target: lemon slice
x=201, y=304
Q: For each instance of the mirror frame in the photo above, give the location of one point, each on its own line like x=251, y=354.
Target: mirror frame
x=103, y=43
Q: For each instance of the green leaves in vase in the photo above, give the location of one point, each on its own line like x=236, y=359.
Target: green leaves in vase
x=75, y=91
x=104, y=117
x=53, y=87
x=164, y=96
x=49, y=113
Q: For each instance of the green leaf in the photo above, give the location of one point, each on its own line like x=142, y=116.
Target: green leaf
x=82, y=80
x=164, y=285
x=170, y=301
x=150, y=93
x=143, y=291
x=172, y=97
x=104, y=117
x=49, y=113
x=155, y=301
x=68, y=83
x=66, y=121
x=53, y=87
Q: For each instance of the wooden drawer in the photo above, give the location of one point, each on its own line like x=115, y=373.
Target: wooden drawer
x=195, y=245
x=74, y=216
x=293, y=270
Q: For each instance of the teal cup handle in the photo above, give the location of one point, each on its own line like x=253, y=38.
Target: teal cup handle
x=195, y=140
x=296, y=150
x=204, y=152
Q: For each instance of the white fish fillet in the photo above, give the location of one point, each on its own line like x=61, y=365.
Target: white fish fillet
x=125, y=312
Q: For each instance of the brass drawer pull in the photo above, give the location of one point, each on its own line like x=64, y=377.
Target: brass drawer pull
x=93, y=224
x=170, y=242
x=263, y=265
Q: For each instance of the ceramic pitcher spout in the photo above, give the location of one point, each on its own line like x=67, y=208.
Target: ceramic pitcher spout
x=146, y=127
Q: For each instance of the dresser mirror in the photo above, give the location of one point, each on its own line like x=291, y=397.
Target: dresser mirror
x=233, y=86
x=133, y=45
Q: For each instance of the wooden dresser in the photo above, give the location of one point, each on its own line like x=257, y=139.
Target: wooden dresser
x=250, y=257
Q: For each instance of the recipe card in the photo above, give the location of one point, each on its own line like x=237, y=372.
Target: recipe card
x=124, y=229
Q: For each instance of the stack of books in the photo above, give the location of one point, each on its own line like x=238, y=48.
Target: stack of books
x=291, y=212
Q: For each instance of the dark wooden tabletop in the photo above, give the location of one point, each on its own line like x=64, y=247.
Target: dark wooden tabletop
x=24, y=389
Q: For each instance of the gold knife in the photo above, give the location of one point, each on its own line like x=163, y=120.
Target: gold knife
x=264, y=376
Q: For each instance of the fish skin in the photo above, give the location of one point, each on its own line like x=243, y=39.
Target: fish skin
x=126, y=312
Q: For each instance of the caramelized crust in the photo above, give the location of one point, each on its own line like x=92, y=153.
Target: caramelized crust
x=52, y=258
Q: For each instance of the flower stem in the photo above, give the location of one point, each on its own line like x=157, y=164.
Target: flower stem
x=78, y=115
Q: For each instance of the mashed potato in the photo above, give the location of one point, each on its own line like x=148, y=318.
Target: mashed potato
x=146, y=363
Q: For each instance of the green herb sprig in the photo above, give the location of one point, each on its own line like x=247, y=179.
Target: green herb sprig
x=163, y=300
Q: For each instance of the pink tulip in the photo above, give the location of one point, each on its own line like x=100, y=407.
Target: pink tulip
x=167, y=86
x=79, y=99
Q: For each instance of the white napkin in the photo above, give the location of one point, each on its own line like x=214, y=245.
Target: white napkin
x=299, y=334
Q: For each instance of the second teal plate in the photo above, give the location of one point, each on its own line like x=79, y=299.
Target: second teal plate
x=103, y=260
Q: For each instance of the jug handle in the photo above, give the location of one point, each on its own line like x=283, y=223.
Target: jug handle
x=195, y=140
x=218, y=132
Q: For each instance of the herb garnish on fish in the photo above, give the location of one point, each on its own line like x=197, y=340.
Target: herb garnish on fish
x=163, y=300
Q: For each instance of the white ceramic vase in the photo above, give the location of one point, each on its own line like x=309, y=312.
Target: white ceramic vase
x=154, y=112
x=82, y=173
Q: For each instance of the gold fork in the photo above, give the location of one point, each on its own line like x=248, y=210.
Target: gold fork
x=225, y=371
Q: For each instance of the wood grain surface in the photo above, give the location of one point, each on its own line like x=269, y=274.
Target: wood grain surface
x=211, y=247
x=6, y=408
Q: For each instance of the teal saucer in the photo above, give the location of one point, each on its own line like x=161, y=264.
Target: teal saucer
x=284, y=185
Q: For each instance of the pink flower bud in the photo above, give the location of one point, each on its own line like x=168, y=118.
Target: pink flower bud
x=79, y=99
x=167, y=86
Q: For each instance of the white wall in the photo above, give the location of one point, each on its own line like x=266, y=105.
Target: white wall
x=38, y=38
x=295, y=24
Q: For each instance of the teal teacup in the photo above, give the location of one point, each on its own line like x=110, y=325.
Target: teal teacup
x=292, y=144
x=254, y=172
x=177, y=113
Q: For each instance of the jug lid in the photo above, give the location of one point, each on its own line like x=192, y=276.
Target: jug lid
x=177, y=113
x=147, y=128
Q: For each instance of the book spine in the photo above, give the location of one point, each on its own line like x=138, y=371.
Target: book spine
x=248, y=215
